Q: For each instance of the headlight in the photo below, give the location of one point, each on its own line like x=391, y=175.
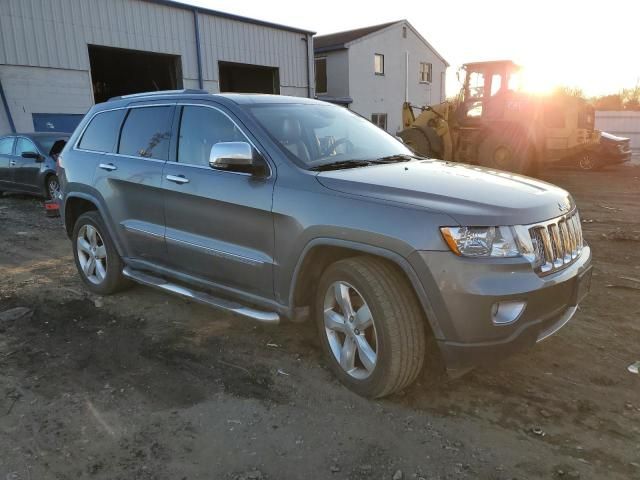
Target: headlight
x=483, y=241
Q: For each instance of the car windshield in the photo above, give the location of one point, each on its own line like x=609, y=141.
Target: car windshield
x=47, y=143
x=317, y=135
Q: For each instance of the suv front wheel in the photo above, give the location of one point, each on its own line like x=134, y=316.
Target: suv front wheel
x=371, y=326
x=99, y=265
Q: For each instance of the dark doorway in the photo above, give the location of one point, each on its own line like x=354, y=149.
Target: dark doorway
x=116, y=71
x=245, y=78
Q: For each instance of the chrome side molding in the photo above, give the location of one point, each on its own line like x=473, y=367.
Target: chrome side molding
x=200, y=297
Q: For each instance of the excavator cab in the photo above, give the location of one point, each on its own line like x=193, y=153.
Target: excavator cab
x=485, y=89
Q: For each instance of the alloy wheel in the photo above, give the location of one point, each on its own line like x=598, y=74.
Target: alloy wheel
x=92, y=254
x=53, y=187
x=586, y=162
x=350, y=330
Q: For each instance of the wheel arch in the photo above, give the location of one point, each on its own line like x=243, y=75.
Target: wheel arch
x=319, y=253
x=78, y=203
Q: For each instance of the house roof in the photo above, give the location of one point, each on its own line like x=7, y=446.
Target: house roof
x=339, y=40
x=342, y=40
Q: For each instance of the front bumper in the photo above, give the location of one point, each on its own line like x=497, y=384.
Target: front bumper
x=463, y=291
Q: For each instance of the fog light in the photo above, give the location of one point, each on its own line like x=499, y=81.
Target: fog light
x=504, y=313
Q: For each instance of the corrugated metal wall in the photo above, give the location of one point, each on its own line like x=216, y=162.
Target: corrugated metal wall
x=55, y=34
x=624, y=124
x=233, y=41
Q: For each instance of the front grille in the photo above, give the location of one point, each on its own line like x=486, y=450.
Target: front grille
x=556, y=243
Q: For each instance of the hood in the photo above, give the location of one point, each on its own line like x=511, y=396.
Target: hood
x=472, y=195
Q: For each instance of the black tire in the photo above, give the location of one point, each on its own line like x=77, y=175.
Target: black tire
x=397, y=317
x=507, y=151
x=114, y=281
x=417, y=141
x=48, y=186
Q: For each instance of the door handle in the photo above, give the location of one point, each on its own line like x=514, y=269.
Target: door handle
x=12, y=163
x=108, y=166
x=180, y=179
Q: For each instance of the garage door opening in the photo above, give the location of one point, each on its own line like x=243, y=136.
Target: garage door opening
x=117, y=71
x=245, y=78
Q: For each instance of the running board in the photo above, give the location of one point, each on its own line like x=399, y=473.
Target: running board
x=200, y=297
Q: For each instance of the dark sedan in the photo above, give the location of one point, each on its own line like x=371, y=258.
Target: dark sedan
x=611, y=150
x=28, y=163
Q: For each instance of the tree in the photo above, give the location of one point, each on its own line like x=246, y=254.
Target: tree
x=566, y=91
x=608, y=102
x=627, y=99
x=631, y=98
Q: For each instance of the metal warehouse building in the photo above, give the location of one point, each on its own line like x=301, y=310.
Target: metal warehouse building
x=59, y=57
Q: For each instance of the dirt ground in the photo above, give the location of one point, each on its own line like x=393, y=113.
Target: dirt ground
x=143, y=385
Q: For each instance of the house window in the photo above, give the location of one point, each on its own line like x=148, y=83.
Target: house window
x=380, y=120
x=378, y=64
x=404, y=32
x=321, y=75
x=425, y=72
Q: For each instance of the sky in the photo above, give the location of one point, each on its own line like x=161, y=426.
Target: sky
x=592, y=45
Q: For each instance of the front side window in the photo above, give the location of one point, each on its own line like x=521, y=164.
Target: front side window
x=6, y=146
x=146, y=133
x=425, y=72
x=200, y=129
x=102, y=132
x=378, y=64
x=321, y=75
x=476, y=84
x=319, y=134
x=25, y=145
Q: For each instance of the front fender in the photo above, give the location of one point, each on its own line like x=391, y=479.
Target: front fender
x=389, y=255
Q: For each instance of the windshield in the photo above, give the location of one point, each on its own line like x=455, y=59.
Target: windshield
x=316, y=135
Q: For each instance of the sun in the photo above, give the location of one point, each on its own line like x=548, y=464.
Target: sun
x=538, y=81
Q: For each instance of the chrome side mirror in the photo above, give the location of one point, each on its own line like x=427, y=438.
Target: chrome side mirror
x=232, y=156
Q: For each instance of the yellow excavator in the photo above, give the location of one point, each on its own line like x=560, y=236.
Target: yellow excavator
x=494, y=124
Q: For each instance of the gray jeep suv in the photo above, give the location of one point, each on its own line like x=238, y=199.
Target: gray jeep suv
x=278, y=207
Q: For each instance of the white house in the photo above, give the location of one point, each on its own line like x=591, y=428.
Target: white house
x=375, y=69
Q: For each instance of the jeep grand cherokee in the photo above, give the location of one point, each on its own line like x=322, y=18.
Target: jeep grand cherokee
x=279, y=207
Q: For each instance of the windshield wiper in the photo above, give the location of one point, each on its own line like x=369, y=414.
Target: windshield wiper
x=401, y=157
x=341, y=165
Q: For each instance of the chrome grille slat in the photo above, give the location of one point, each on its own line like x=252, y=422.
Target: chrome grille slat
x=556, y=243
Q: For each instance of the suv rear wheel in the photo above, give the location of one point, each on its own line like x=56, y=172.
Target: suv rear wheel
x=97, y=260
x=371, y=326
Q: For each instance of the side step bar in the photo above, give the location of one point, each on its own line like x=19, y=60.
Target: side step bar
x=200, y=297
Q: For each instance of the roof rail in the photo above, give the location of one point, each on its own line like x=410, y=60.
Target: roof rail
x=186, y=91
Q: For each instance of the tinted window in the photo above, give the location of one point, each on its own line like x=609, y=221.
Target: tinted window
x=200, y=129
x=6, y=146
x=102, y=132
x=146, y=132
x=24, y=145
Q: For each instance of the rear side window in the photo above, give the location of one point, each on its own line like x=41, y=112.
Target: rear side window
x=6, y=146
x=146, y=132
x=200, y=129
x=102, y=132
